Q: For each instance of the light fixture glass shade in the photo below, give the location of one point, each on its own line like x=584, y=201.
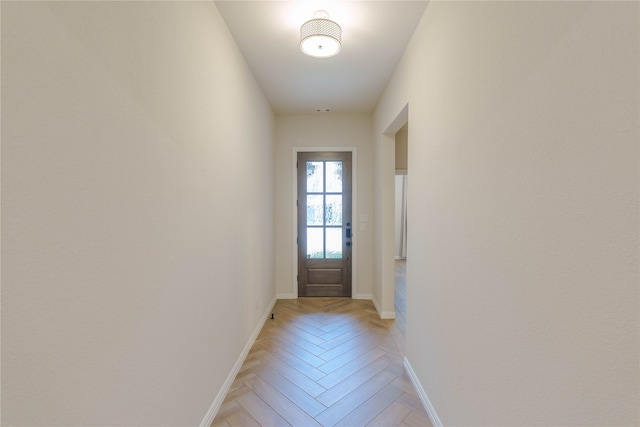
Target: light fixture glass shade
x=320, y=37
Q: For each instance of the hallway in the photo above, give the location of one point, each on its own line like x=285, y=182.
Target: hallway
x=324, y=362
x=150, y=208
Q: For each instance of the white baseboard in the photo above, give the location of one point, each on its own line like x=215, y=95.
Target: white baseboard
x=383, y=314
x=292, y=296
x=376, y=305
x=423, y=395
x=215, y=406
x=286, y=296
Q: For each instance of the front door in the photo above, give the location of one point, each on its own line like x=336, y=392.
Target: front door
x=324, y=224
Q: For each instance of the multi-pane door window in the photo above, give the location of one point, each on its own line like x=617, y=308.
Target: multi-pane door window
x=324, y=209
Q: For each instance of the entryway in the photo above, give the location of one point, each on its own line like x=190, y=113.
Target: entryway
x=401, y=183
x=324, y=224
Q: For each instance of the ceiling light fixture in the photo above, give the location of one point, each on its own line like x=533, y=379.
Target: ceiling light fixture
x=320, y=37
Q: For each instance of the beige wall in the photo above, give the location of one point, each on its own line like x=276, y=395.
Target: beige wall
x=137, y=211
x=522, y=281
x=401, y=142
x=318, y=131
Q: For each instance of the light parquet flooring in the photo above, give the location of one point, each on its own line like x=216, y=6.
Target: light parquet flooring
x=323, y=362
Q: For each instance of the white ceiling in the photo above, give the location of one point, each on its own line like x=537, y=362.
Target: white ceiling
x=374, y=36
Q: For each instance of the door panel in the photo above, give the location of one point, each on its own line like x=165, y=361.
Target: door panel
x=324, y=224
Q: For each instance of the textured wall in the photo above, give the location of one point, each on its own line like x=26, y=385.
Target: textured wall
x=137, y=211
x=522, y=277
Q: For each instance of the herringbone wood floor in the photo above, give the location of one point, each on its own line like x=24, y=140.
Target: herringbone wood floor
x=324, y=362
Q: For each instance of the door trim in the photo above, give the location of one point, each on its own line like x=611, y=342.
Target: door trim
x=354, y=215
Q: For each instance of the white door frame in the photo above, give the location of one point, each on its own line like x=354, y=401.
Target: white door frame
x=386, y=306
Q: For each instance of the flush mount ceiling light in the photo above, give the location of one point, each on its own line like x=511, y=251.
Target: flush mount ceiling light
x=320, y=37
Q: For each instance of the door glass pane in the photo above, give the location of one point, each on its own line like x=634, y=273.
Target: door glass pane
x=315, y=177
x=314, y=209
x=333, y=209
x=334, y=242
x=334, y=177
x=315, y=242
